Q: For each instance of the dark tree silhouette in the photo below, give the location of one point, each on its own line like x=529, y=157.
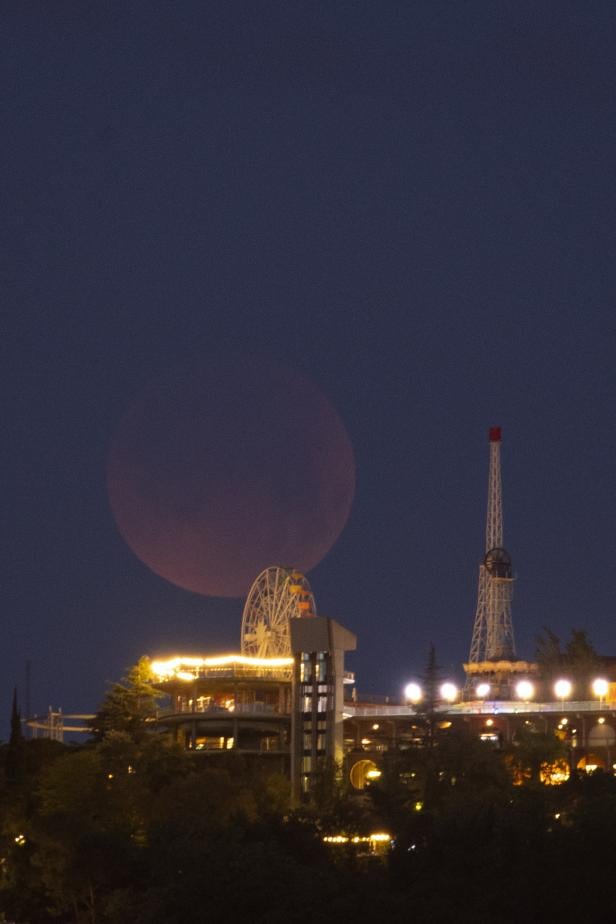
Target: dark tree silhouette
x=15, y=751
x=130, y=706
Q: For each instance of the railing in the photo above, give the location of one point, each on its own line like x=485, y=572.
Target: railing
x=511, y=707
x=231, y=671
x=505, y=707
x=265, y=746
x=223, y=711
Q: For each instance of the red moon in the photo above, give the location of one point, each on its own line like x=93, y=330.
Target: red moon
x=217, y=473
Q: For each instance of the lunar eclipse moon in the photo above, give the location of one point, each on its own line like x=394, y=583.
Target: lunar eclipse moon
x=216, y=473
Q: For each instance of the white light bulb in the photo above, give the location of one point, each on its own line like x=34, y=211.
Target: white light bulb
x=525, y=690
x=412, y=693
x=449, y=692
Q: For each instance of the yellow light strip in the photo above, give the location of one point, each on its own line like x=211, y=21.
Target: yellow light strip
x=179, y=664
x=251, y=662
x=379, y=838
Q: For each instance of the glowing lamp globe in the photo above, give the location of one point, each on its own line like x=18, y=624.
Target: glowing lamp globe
x=449, y=692
x=600, y=687
x=524, y=690
x=483, y=690
x=413, y=693
x=563, y=688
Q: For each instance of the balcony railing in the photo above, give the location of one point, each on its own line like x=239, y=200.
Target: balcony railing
x=229, y=672
x=212, y=709
x=496, y=707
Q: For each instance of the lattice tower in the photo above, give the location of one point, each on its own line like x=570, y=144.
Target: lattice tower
x=493, y=629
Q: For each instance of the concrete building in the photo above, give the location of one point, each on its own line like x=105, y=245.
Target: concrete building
x=284, y=713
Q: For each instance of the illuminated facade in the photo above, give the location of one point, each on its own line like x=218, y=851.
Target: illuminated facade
x=290, y=715
x=230, y=703
x=285, y=711
x=375, y=734
x=317, y=731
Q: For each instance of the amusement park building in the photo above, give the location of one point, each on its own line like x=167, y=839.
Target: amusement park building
x=285, y=713
x=292, y=715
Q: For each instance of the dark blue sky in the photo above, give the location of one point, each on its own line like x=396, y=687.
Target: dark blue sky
x=411, y=203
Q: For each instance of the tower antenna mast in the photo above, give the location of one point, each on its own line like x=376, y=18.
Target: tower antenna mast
x=492, y=639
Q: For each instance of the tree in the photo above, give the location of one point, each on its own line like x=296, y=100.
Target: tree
x=16, y=732
x=469, y=765
x=549, y=655
x=535, y=752
x=427, y=707
x=581, y=659
x=130, y=706
x=86, y=832
x=427, y=711
x=15, y=751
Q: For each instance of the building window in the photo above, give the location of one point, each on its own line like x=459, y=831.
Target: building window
x=305, y=668
x=320, y=667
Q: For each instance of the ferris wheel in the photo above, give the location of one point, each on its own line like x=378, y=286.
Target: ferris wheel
x=277, y=595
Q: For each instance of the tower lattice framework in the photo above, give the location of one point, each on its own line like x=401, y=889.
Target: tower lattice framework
x=493, y=629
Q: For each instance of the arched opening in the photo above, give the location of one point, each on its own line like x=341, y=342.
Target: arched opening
x=591, y=762
x=363, y=772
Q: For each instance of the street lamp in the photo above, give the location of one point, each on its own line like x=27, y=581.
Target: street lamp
x=600, y=688
x=524, y=690
x=483, y=690
x=449, y=692
x=562, y=689
x=413, y=693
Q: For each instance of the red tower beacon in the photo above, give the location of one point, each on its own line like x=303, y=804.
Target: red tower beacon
x=495, y=434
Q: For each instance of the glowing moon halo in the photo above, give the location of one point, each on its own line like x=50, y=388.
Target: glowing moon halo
x=219, y=472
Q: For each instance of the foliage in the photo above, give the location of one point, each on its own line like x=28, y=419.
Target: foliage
x=14, y=761
x=548, y=654
x=131, y=828
x=129, y=706
x=578, y=660
x=531, y=752
x=430, y=683
x=581, y=659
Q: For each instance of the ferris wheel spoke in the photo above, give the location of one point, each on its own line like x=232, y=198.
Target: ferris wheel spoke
x=278, y=610
x=276, y=596
x=283, y=598
x=261, y=593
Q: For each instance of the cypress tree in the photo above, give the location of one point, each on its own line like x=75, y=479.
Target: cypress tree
x=14, y=751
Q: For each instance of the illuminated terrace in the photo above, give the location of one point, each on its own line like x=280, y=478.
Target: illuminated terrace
x=228, y=666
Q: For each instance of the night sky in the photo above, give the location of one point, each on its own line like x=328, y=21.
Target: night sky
x=411, y=204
